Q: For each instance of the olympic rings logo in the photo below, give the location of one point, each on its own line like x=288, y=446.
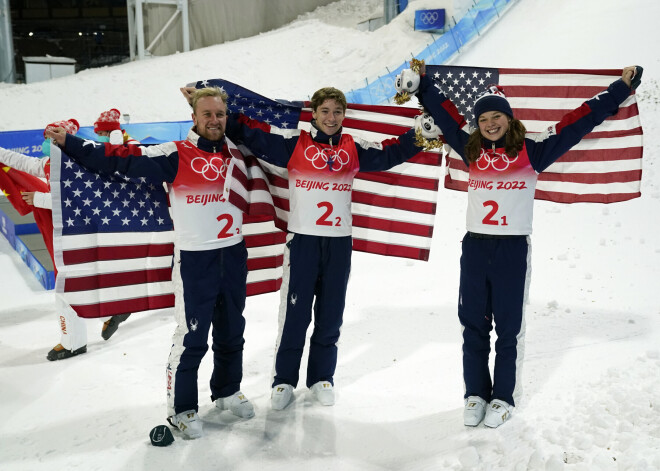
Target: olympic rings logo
x=210, y=169
x=499, y=162
x=322, y=158
x=429, y=17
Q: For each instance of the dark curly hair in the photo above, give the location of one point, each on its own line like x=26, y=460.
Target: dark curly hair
x=515, y=137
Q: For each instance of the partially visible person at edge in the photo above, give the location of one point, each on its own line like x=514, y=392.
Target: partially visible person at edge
x=73, y=338
x=210, y=257
x=317, y=254
x=108, y=129
x=496, y=254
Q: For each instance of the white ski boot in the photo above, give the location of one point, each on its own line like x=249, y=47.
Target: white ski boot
x=324, y=393
x=498, y=412
x=188, y=422
x=281, y=396
x=237, y=403
x=474, y=412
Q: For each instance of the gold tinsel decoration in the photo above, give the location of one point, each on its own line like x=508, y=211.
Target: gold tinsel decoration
x=426, y=144
x=416, y=65
x=401, y=98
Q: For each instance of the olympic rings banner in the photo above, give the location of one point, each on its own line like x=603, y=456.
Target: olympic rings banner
x=381, y=90
x=430, y=20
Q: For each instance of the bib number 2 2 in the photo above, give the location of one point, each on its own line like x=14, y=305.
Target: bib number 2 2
x=325, y=219
x=228, y=222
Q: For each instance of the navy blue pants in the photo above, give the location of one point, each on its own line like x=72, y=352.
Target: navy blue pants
x=211, y=295
x=494, y=281
x=317, y=267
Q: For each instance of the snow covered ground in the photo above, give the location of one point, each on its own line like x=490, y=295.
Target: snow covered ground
x=592, y=363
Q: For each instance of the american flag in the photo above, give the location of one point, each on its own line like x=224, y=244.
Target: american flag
x=113, y=241
x=393, y=211
x=605, y=167
x=114, y=244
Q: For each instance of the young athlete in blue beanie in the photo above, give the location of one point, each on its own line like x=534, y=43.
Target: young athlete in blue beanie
x=504, y=162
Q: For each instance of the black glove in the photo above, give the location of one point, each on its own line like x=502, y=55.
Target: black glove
x=637, y=77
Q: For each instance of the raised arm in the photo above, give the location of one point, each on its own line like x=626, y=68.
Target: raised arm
x=545, y=148
x=24, y=163
x=455, y=128
x=159, y=162
x=273, y=145
x=378, y=156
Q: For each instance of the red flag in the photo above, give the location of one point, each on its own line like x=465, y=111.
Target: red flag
x=12, y=183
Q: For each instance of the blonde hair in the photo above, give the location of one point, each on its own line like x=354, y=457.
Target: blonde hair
x=208, y=91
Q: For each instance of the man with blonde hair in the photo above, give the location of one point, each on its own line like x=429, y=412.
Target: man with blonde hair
x=210, y=257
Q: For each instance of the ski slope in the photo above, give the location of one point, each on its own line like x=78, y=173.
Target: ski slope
x=591, y=373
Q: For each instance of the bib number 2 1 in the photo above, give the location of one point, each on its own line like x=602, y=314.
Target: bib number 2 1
x=490, y=217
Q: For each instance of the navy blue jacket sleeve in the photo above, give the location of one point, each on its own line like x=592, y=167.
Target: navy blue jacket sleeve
x=445, y=114
x=375, y=157
x=545, y=148
x=270, y=144
x=159, y=162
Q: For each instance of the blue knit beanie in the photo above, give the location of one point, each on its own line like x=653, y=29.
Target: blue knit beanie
x=493, y=99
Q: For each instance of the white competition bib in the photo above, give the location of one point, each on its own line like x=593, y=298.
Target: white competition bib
x=501, y=193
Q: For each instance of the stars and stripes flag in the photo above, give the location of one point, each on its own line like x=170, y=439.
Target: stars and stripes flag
x=393, y=211
x=605, y=167
x=113, y=241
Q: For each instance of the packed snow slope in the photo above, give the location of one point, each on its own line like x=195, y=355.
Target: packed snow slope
x=592, y=363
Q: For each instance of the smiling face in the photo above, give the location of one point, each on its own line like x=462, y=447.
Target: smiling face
x=493, y=124
x=210, y=117
x=329, y=115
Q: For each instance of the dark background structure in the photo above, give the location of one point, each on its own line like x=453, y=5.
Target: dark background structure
x=93, y=32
